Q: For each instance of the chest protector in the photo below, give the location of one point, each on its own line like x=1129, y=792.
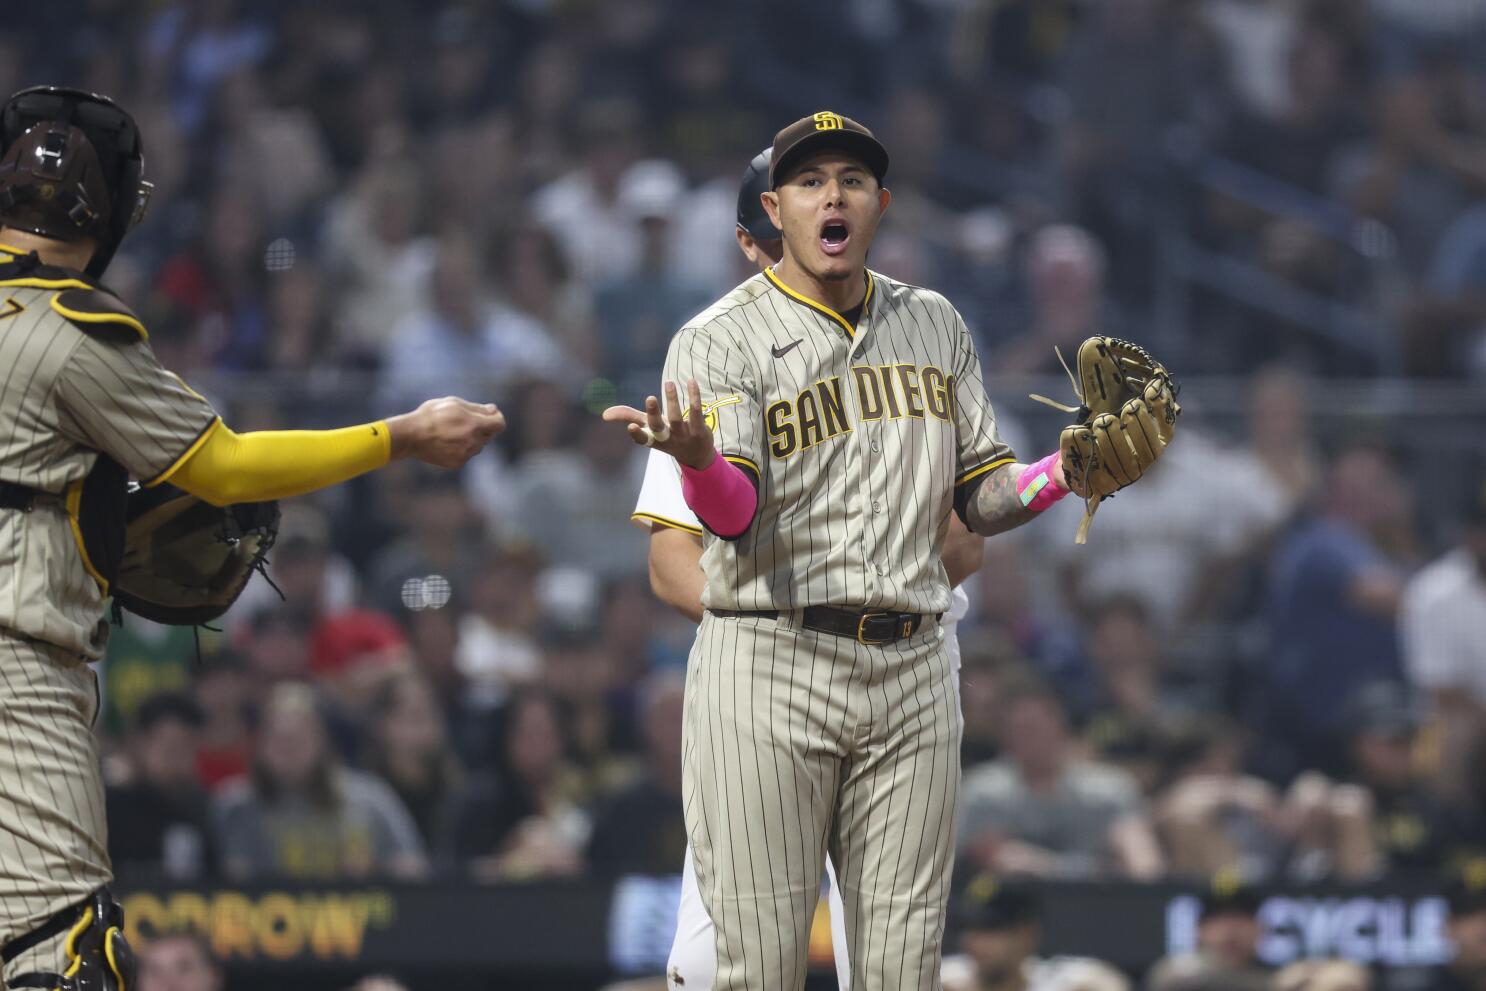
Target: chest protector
x=96, y=509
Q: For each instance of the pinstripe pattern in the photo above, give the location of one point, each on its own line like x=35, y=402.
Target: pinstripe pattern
x=53, y=849
x=858, y=515
x=65, y=395
x=796, y=740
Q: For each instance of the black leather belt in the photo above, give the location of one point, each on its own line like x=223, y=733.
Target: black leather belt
x=16, y=496
x=873, y=627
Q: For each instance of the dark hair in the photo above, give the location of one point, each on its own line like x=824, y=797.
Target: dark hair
x=323, y=790
x=443, y=767
x=521, y=698
x=166, y=707
x=272, y=617
x=503, y=251
x=1025, y=686
x=1119, y=604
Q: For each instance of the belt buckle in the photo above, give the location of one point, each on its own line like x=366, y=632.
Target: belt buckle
x=862, y=629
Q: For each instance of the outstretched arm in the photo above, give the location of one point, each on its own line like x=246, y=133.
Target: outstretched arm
x=721, y=489
x=227, y=467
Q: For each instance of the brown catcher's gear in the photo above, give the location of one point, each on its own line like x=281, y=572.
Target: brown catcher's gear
x=98, y=956
x=1126, y=418
x=186, y=561
x=51, y=184
x=71, y=165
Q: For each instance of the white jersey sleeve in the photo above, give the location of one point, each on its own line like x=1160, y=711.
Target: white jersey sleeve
x=660, y=502
x=959, y=605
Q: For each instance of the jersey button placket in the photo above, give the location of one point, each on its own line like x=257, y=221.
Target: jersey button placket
x=870, y=536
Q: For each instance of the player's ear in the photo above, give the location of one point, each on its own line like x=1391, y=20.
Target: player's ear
x=770, y=200
x=746, y=243
x=884, y=197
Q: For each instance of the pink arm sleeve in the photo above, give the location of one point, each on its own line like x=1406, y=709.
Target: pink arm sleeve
x=721, y=495
x=1035, y=486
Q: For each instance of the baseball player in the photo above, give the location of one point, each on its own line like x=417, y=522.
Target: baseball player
x=847, y=417
x=85, y=404
x=676, y=577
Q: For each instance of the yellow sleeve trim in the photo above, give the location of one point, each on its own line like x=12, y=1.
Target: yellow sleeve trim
x=977, y=472
x=821, y=307
x=745, y=462
x=664, y=522
x=74, y=506
x=34, y=283
x=119, y=318
x=196, y=445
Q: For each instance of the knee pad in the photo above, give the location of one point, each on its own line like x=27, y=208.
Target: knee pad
x=98, y=956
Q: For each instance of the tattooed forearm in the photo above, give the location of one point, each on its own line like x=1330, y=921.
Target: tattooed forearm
x=996, y=508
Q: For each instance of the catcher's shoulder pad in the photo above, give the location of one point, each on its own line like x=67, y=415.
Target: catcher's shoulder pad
x=99, y=312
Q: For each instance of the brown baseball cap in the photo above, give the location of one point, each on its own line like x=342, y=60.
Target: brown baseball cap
x=821, y=131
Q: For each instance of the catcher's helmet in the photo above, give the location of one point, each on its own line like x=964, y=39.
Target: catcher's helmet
x=71, y=165
x=751, y=216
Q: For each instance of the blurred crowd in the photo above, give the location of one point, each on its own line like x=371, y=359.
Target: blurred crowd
x=1279, y=670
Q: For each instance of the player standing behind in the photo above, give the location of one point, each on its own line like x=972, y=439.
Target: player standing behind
x=84, y=403
x=677, y=579
x=849, y=416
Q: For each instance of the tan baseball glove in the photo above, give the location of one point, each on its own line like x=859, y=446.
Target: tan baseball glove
x=1126, y=417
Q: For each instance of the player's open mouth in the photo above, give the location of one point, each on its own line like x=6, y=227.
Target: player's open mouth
x=834, y=235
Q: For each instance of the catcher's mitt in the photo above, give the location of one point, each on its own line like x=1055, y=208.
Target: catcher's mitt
x=185, y=560
x=1126, y=418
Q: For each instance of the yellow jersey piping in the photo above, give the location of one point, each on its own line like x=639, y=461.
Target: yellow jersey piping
x=74, y=506
x=665, y=522
x=744, y=462
x=821, y=307
x=196, y=445
x=31, y=282
x=977, y=472
x=104, y=317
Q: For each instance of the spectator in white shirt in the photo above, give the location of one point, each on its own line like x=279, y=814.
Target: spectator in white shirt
x=463, y=340
x=582, y=209
x=1442, y=615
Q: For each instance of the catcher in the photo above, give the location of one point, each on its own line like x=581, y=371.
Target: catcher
x=84, y=405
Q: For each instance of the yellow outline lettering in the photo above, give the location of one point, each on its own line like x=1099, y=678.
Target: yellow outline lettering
x=777, y=421
x=890, y=392
x=807, y=407
x=833, y=407
x=911, y=392
x=936, y=397
x=869, y=407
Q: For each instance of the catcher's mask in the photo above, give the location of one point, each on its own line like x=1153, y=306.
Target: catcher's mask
x=71, y=166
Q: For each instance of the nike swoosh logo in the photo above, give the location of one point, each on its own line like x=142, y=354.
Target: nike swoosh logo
x=781, y=352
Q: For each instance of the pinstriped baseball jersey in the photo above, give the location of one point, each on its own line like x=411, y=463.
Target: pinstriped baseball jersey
x=661, y=503
x=65, y=395
x=857, y=437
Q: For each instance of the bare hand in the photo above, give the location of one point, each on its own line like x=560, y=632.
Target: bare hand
x=686, y=438
x=445, y=432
